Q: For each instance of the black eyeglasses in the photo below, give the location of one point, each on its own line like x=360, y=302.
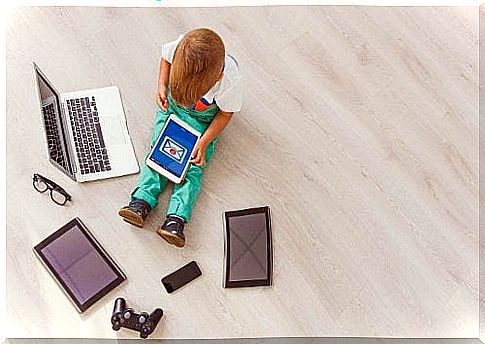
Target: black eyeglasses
x=58, y=194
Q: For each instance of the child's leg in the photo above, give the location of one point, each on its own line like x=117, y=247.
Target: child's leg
x=150, y=183
x=185, y=195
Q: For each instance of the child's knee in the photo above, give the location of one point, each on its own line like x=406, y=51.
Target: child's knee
x=194, y=173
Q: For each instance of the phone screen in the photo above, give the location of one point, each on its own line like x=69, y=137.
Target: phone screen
x=181, y=277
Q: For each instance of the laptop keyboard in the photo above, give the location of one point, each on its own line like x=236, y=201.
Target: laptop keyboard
x=88, y=138
x=53, y=139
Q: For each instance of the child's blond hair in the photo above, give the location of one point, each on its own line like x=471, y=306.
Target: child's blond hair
x=197, y=65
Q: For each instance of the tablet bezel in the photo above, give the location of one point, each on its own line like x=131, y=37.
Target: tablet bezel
x=159, y=168
x=269, y=247
x=80, y=307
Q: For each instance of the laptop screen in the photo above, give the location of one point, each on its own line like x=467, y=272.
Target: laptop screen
x=54, y=130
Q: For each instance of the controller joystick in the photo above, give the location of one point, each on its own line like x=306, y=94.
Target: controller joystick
x=126, y=317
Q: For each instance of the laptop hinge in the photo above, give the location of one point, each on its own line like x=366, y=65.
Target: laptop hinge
x=72, y=153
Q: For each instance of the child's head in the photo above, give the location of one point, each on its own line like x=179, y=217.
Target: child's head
x=197, y=65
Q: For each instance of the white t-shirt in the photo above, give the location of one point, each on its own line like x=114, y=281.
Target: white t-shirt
x=227, y=92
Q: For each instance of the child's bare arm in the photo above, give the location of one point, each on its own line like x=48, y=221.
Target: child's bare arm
x=218, y=124
x=164, y=74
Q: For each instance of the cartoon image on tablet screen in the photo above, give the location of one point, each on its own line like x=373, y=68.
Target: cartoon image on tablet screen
x=172, y=149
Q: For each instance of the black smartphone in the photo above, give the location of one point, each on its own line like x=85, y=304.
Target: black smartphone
x=181, y=277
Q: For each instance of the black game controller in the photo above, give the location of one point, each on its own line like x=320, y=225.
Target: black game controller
x=127, y=318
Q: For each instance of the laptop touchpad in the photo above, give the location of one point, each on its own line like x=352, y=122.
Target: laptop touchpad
x=113, y=131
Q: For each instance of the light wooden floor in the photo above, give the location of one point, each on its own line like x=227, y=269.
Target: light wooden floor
x=482, y=176
x=359, y=129
x=292, y=340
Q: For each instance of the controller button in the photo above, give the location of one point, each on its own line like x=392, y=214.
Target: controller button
x=127, y=315
x=141, y=319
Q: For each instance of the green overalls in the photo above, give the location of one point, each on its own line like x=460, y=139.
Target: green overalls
x=151, y=184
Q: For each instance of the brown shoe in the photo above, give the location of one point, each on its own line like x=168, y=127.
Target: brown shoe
x=172, y=231
x=135, y=213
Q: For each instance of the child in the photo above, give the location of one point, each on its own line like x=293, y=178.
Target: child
x=200, y=84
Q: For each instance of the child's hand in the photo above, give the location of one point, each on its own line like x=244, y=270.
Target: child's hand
x=198, y=155
x=161, y=98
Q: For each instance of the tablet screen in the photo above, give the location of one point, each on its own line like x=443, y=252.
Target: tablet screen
x=248, y=245
x=173, y=148
x=81, y=267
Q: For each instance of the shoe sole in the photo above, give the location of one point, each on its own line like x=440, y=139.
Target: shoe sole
x=131, y=217
x=171, y=238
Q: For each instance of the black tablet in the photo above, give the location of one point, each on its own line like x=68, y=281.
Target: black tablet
x=247, y=247
x=79, y=264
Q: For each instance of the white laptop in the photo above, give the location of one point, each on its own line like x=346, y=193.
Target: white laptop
x=86, y=132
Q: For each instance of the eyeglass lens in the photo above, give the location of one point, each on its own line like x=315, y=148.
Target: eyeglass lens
x=40, y=185
x=58, y=197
